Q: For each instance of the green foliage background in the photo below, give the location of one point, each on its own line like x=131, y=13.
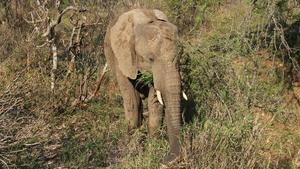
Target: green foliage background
x=240, y=70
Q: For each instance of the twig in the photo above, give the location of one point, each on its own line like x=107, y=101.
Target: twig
x=279, y=28
x=33, y=144
x=222, y=100
x=46, y=43
x=3, y=162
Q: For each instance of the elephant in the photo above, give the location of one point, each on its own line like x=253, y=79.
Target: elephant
x=142, y=40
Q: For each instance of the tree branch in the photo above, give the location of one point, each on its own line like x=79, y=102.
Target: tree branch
x=53, y=23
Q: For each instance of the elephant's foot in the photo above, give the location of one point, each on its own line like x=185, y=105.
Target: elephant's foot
x=170, y=159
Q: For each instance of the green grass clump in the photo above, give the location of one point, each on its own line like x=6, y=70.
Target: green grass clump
x=145, y=78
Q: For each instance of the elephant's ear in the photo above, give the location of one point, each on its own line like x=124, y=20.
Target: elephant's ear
x=122, y=43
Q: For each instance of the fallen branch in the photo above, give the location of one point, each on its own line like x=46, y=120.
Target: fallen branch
x=100, y=80
x=76, y=101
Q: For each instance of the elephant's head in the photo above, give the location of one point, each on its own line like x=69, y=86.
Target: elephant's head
x=143, y=39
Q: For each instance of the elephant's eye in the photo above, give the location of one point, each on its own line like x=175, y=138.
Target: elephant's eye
x=151, y=60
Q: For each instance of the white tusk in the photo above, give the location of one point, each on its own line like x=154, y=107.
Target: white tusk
x=184, y=95
x=159, y=97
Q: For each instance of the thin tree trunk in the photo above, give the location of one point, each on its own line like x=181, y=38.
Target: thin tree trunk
x=54, y=67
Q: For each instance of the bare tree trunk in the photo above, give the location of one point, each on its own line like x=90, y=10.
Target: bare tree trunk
x=54, y=67
x=51, y=35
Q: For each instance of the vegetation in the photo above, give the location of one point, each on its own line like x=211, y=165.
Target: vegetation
x=240, y=70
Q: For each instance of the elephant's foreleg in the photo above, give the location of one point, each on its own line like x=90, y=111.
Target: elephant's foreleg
x=155, y=110
x=132, y=102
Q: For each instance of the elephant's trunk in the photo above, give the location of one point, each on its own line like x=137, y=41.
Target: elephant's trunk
x=172, y=98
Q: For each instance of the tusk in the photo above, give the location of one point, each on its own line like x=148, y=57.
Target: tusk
x=159, y=97
x=184, y=95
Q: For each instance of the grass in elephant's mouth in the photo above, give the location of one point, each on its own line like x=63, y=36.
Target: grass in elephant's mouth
x=145, y=78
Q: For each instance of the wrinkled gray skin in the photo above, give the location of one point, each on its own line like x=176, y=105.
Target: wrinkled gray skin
x=140, y=40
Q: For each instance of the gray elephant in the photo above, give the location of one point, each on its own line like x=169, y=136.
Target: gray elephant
x=144, y=40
